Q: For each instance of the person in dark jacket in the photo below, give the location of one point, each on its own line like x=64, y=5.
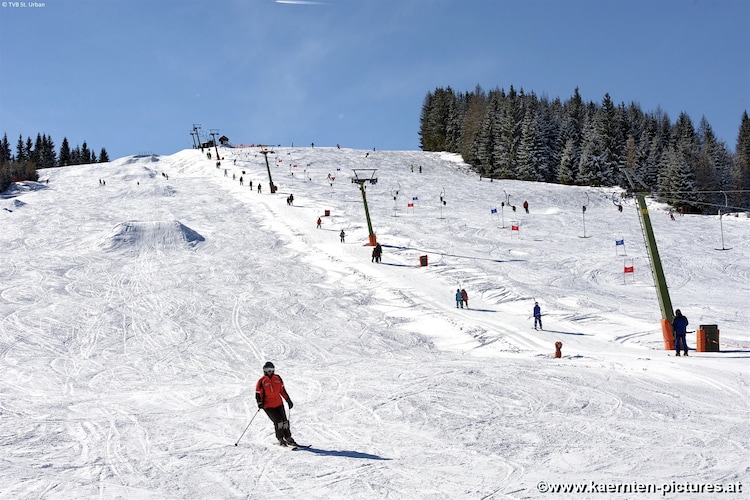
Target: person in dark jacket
x=679, y=327
x=269, y=392
x=377, y=252
x=537, y=316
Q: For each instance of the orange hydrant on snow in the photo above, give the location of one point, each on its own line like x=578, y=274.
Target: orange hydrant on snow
x=558, y=349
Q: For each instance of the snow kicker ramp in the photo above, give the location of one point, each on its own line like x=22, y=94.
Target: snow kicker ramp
x=143, y=236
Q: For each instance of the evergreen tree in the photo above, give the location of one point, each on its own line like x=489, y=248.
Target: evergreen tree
x=75, y=156
x=708, y=168
x=532, y=160
x=21, y=150
x=5, y=153
x=677, y=181
x=65, y=159
x=650, y=171
x=571, y=132
x=36, y=154
x=85, y=154
x=453, y=127
x=103, y=156
x=475, y=108
x=631, y=155
x=426, y=140
x=434, y=119
x=592, y=163
x=741, y=168
x=485, y=139
x=550, y=121
x=49, y=157
x=607, y=128
x=569, y=160
x=648, y=156
x=29, y=150
x=508, y=134
x=5, y=176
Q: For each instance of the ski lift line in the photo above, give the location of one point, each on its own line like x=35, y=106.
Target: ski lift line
x=702, y=203
x=670, y=196
x=706, y=192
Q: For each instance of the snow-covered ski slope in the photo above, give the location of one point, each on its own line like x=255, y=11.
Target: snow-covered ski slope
x=135, y=317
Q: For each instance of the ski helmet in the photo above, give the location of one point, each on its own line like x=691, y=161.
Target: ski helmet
x=268, y=367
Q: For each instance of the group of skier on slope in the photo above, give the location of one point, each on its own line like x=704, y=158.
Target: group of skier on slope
x=679, y=323
x=270, y=392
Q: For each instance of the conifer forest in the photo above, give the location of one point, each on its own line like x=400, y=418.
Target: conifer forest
x=515, y=135
x=32, y=155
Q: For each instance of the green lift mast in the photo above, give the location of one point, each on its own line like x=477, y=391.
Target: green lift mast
x=662, y=292
x=360, y=177
x=270, y=180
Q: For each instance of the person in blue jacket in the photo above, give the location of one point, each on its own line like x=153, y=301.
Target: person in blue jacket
x=679, y=327
x=459, y=299
x=537, y=316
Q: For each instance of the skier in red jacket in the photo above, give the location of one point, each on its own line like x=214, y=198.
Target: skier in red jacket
x=269, y=392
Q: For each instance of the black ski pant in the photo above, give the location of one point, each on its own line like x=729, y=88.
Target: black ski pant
x=280, y=422
x=537, y=320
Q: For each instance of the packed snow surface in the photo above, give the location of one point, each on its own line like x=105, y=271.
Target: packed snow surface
x=139, y=300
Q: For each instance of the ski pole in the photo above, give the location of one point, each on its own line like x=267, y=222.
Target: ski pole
x=248, y=426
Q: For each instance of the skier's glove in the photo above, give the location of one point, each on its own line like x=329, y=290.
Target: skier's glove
x=260, y=405
x=290, y=403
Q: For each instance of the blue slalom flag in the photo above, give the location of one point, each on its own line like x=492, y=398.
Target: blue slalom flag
x=619, y=242
x=415, y=198
x=493, y=211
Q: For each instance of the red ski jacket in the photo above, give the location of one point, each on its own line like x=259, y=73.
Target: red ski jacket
x=270, y=390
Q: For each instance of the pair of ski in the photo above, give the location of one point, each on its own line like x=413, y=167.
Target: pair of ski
x=294, y=447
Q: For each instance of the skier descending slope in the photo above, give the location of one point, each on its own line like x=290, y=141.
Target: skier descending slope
x=537, y=316
x=269, y=392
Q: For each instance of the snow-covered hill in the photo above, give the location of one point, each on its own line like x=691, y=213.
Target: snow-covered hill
x=139, y=300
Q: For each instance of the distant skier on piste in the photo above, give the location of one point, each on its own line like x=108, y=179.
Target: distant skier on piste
x=269, y=392
x=679, y=327
x=537, y=316
x=377, y=253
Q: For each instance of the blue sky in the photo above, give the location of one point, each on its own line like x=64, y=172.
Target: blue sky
x=135, y=75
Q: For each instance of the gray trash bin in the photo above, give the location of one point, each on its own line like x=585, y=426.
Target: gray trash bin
x=712, y=337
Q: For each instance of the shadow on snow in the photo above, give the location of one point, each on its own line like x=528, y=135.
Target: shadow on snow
x=344, y=453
